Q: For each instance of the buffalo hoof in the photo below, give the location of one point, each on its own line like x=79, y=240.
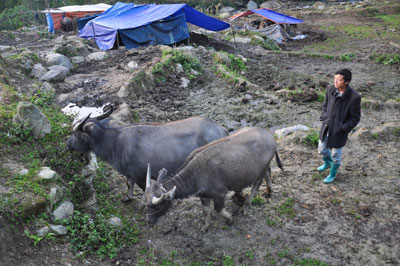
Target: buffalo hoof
x=267, y=194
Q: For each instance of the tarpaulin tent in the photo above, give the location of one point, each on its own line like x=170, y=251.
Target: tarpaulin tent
x=279, y=21
x=54, y=16
x=270, y=15
x=141, y=25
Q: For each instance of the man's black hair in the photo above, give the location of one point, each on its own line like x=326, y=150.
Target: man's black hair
x=346, y=73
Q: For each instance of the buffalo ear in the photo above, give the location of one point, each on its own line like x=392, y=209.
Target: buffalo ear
x=162, y=174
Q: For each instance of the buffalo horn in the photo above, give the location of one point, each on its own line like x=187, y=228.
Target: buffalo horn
x=156, y=200
x=148, y=176
x=107, y=109
x=79, y=126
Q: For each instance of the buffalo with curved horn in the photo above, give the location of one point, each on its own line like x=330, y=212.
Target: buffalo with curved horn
x=228, y=164
x=130, y=148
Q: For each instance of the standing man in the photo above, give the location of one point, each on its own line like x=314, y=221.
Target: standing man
x=341, y=112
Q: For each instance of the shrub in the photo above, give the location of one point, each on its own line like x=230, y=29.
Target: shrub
x=15, y=18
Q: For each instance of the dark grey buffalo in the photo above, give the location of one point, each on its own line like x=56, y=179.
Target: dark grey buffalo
x=228, y=164
x=130, y=148
x=66, y=24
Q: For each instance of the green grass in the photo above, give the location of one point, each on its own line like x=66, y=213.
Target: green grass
x=168, y=63
x=93, y=235
x=393, y=21
x=388, y=59
x=312, y=138
x=258, y=201
x=286, y=208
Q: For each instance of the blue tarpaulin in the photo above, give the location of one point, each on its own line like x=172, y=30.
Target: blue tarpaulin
x=141, y=25
x=270, y=15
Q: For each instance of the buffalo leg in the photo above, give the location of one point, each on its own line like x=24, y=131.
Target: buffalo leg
x=268, y=189
x=219, y=203
x=130, y=183
x=254, y=190
x=206, y=202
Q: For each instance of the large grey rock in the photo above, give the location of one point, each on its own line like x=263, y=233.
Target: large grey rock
x=251, y=5
x=58, y=59
x=78, y=59
x=98, y=56
x=28, y=114
x=55, y=75
x=227, y=9
x=273, y=4
x=64, y=211
x=62, y=69
x=38, y=71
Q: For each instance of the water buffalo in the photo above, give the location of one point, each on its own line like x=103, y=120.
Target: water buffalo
x=130, y=148
x=228, y=164
x=66, y=24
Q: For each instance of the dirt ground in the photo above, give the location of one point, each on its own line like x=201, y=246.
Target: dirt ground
x=353, y=221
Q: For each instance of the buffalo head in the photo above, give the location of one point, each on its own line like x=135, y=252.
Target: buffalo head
x=157, y=198
x=83, y=130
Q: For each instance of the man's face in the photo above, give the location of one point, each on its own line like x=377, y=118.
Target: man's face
x=340, y=83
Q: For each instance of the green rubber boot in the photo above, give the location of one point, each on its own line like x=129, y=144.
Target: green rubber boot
x=332, y=174
x=326, y=165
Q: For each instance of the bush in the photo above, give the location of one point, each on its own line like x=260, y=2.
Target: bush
x=15, y=18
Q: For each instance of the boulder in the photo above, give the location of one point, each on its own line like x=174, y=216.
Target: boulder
x=77, y=59
x=272, y=5
x=251, y=5
x=38, y=71
x=28, y=114
x=65, y=210
x=62, y=69
x=319, y=5
x=58, y=59
x=227, y=9
x=54, y=76
x=98, y=56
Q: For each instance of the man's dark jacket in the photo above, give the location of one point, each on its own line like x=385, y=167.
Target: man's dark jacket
x=339, y=115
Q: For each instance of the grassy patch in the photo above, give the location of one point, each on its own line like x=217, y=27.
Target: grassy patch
x=258, y=201
x=287, y=208
x=168, y=63
x=392, y=21
x=359, y=32
x=312, y=138
x=388, y=59
x=95, y=236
